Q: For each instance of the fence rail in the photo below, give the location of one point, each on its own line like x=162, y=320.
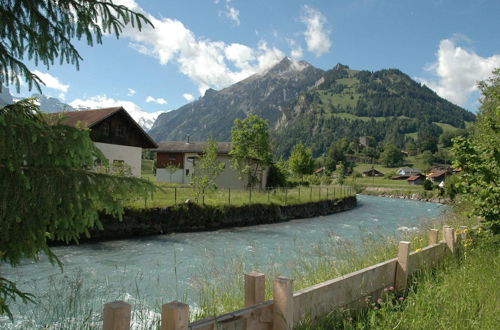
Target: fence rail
x=227, y=196
x=288, y=308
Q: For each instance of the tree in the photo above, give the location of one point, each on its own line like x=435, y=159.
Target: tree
x=47, y=192
x=43, y=31
x=301, y=161
x=427, y=158
x=391, y=156
x=278, y=174
x=336, y=154
x=207, y=170
x=478, y=155
x=251, y=150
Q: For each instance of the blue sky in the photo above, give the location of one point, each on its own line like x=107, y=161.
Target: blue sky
x=197, y=44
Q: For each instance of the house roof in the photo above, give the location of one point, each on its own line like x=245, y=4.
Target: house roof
x=372, y=170
x=409, y=169
x=319, y=170
x=415, y=177
x=90, y=118
x=195, y=146
x=436, y=174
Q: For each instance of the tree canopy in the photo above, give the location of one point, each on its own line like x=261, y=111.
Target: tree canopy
x=301, y=161
x=43, y=31
x=251, y=149
x=478, y=155
x=207, y=169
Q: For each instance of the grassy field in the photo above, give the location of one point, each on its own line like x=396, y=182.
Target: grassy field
x=171, y=195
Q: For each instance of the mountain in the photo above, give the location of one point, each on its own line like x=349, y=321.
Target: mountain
x=316, y=107
x=5, y=97
x=265, y=94
x=52, y=104
x=387, y=105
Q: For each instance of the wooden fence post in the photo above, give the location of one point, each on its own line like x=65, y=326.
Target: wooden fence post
x=401, y=280
x=283, y=303
x=449, y=237
x=286, y=194
x=444, y=232
x=175, y=195
x=311, y=195
x=174, y=316
x=299, y=193
x=229, y=196
x=117, y=315
x=255, y=288
x=433, y=236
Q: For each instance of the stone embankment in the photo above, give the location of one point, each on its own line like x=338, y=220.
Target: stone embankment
x=191, y=217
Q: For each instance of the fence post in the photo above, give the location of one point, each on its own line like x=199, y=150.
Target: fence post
x=433, y=236
x=311, y=195
x=283, y=303
x=463, y=233
x=229, y=196
x=255, y=288
x=449, y=237
x=444, y=232
x=327, y=197
x=175, y=195
x=174, y=316
x=203, y=196
x=116, y=316
x=319, y=193
x=250, y=195
x=299, y=193
x=402, y=267
x=268, y=192
x=286, y=194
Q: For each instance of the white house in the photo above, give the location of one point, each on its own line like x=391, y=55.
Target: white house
x=176, y=162
x=115, y=133
x=408, y=171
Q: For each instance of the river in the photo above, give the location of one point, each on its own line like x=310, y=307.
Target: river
x=162, y=268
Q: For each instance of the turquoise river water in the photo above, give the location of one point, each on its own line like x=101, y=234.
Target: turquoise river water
x=153, y=270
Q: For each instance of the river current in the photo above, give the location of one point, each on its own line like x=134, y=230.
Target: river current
x=159, y=269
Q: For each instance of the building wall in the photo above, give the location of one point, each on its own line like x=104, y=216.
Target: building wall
x=229, y=178
x=128, y=154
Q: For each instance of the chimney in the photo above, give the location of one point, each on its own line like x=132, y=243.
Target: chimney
x=187, y=137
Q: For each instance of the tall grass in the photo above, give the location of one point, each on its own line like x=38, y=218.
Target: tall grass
x=458, y=294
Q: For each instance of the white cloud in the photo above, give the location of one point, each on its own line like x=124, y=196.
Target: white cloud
x=458, y=71
x=316, y=35
x=131, y=92
x=208, y=63
x=158, y=100
x=188, y=97
x=143, y=118
x=297, y=53
x=233, y=14
x=51, y=81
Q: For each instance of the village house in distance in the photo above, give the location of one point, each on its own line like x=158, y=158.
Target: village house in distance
x=115, y=133
x=176, y=162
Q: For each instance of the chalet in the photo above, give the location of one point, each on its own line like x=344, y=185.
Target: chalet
x=407, y=171
x=114, y=132
x=417, y=179
x=372, y=172
x=176, y=162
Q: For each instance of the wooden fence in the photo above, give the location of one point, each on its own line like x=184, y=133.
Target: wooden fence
x=289, y=308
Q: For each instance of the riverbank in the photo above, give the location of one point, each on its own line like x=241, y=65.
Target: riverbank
x=423, y=196
x=192, y=217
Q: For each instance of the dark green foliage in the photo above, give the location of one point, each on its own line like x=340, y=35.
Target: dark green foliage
x=337, y=154
x=446, y=138
x=277, y=175
x=43, y=31
x=391, y=156
x=428, y=185
x=47, y=192
x=479, y=156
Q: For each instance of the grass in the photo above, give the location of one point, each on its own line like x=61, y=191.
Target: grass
x=461, y=293
x=172, y=195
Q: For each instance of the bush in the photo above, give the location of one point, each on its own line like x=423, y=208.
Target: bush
x=428, y=185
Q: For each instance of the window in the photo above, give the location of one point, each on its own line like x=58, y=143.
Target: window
x=120, y=131
x=172, y=156
x=105, y=129
x=187, y=172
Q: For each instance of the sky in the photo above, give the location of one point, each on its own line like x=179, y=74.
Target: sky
x=198, y=44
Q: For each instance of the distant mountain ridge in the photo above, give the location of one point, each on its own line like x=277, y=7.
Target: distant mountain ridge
x=309, y=105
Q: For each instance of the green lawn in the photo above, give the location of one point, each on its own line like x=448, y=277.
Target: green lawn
x=171, y=195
